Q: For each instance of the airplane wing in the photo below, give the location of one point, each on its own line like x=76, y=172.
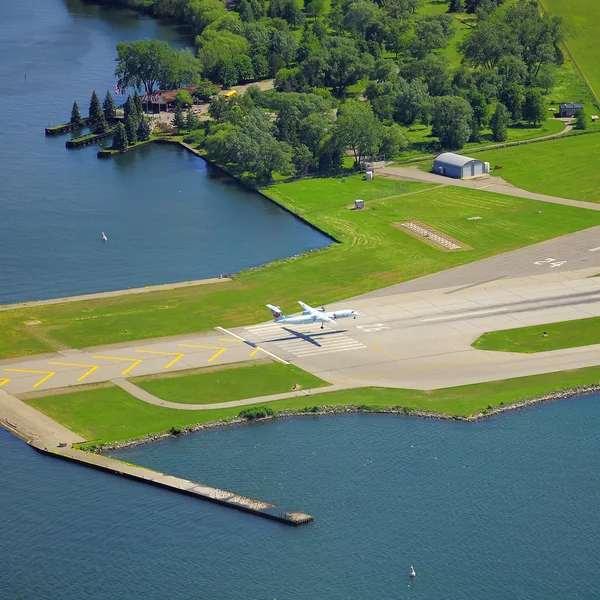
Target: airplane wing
x=317, y=314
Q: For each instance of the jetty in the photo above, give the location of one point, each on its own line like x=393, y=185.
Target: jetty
x=49, y=437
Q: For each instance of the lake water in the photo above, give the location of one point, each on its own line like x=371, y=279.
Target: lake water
x=167, y=215
x=505, y=508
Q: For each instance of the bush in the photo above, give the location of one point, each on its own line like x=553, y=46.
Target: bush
x=256, y=412
x=195, y=139
x=175, y=431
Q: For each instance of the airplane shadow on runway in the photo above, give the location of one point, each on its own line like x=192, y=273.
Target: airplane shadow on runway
x=307, y=337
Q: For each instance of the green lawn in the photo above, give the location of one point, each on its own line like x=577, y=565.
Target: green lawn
x=565, y=167
x=111, y=414
x=372, y=254
x=580, y=21
x=568, y=334
x=224, y=385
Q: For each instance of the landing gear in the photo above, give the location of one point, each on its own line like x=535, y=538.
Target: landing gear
x=322, y=325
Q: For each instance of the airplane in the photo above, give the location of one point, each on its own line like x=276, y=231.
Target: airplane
x=311, y=315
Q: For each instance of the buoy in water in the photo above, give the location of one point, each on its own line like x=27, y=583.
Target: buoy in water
x=413, y=573
x=104, y=238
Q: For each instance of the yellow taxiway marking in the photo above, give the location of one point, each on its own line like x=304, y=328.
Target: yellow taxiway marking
x=47, y=373
x=177, y=355
x=217, y=354
x=3, y=380
x=257, y=349
x=135, y=362
x=230, y=340
x=92, y=368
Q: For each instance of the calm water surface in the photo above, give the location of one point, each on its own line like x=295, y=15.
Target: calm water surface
x=167, y=216
x=507, y=508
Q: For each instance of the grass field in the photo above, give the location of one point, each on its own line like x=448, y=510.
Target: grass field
x=565, y=167
x=568, y=334
x=373, y=254
x=580, y=20
x=111, y=414
x=224, y=385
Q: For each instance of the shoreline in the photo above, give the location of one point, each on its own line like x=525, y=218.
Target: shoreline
x=326, y=410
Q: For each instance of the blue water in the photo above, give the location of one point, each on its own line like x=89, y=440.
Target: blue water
x=168, y=217
x=505, y=508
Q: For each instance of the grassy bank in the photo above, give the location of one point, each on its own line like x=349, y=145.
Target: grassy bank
x=564, y=167
x=110, y=414
x=373, y=253
x=542, y=338
x=224, y=385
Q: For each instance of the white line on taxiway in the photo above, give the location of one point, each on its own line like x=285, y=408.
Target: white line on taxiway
x=479, y=313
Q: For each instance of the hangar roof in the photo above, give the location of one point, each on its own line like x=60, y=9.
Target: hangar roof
x=454, y=159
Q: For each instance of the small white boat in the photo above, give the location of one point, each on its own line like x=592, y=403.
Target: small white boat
x=104, y=238
x=413, y=573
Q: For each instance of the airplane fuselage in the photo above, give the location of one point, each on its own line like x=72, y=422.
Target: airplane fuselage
x=306, y=318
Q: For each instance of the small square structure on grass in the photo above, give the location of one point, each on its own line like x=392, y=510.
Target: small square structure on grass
x=459, y=167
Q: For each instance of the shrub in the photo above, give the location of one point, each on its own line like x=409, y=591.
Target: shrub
x=256, y=412
x=175, y=431
x=195, y=139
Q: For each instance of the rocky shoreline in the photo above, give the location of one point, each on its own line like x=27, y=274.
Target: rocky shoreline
x=320, y=411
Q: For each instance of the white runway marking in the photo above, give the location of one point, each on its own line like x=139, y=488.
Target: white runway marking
x=307, y=342
x=594, y=249
x=285, y=362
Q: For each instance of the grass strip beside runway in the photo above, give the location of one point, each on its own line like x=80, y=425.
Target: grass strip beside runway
x=108, y=415
x=372, y=255
x=224, y=385
x=542, y=338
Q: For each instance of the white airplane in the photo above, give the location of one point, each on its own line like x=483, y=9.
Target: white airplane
x=311, y=315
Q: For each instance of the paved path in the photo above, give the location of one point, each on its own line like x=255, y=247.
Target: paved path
x=145, y=396
x=487, y=183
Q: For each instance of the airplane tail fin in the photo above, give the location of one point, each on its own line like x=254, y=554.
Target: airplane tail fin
x=275, y=311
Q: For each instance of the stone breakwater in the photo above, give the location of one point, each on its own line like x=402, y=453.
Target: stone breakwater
x=325, y=410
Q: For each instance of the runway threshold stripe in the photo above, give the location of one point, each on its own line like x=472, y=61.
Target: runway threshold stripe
x=327, y=352
x=305, y=346
x=479, y=313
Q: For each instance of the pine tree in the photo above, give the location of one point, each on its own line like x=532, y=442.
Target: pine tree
x=76, y=116
x=101, y=124
x=143, y=130
x=95, y=107
x=130, y=109
x=120, y=141
x=581, y=120
x=108, y=106
x=179, y=119
x=131, y=125
x=191, y=120
x=499, y=123
x=138, y=104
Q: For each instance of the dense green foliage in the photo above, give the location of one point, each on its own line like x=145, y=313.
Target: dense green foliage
x=542, y=338
x=110, y=414
x=120, y=140
x=95, y=111
x=108, y=106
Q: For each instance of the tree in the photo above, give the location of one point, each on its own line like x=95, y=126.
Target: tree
x=192, y=121
x=131, y=126
x=139, y=107
x=130, y=110
x=179, y=119
x=456, y=6
x=512, y=96
x=393, y=141
x=452, y=120
x=120, y=141
x=303, y=159
x=184, y=98
x=343, y=66
x=533, y=107
x=499, y=123
x=95, y=107
x=143, y=63
x=581, y=121
x=410, y=100
x=76, y=119
x=358, y=128
x=143, y=130
x=101, y=124
x=108, y=106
